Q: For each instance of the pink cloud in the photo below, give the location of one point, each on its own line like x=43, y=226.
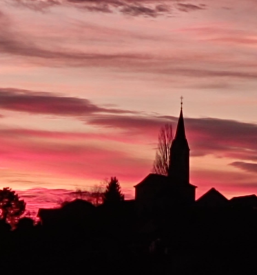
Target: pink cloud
x=222, y=138
x=43, y=198
x=108, y=53
x=151, y=8
x=49, y=54
x=188, y=7
x=76, y=160
x=48, y=103
x=42, y=150
x=246, y=166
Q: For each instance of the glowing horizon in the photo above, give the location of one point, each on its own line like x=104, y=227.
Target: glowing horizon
x=86, y=86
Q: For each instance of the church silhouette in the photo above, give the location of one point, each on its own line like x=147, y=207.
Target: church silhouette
x=158, y=193
x=165, y=192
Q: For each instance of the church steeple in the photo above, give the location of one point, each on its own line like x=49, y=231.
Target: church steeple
x=180, y=133
x=179, y=155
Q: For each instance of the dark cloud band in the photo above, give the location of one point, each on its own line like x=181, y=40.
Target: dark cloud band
x=149, y=8
x=49, y=103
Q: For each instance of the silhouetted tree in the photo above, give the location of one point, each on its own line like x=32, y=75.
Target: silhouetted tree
x=96, y=194
x=11, y=206
x=112, y=194
x=80, y=194
x=162, y=157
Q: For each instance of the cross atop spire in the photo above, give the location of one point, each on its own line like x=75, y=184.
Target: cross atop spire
x=181, y=102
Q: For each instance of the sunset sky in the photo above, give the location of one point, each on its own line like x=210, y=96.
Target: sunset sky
x=85, y=86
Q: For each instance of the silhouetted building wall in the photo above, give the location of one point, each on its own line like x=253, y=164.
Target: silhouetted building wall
x=151, y=193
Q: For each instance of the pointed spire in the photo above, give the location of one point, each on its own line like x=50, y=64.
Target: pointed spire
x=180, y=134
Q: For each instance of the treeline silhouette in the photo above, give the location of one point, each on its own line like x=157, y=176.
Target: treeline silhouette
x=80, y=238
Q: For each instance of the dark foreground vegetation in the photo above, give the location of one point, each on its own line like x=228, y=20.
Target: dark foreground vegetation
x=112, y=239
x=211, y=236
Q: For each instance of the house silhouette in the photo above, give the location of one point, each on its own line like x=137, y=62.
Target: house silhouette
x=213, y=198
x=74, y=211
x=246, y=202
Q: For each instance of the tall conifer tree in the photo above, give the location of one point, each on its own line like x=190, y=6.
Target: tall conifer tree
x=112, y=194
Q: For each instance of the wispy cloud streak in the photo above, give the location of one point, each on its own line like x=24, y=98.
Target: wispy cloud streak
x=220, y=137
x=149, y=8
x=49, y=103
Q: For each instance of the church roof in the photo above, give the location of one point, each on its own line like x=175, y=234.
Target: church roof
x=153, y=179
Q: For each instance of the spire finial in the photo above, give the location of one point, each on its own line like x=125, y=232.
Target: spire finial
x=181, y=102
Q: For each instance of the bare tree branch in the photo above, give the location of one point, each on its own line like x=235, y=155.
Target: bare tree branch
x=162, y=157
x=96, y=194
